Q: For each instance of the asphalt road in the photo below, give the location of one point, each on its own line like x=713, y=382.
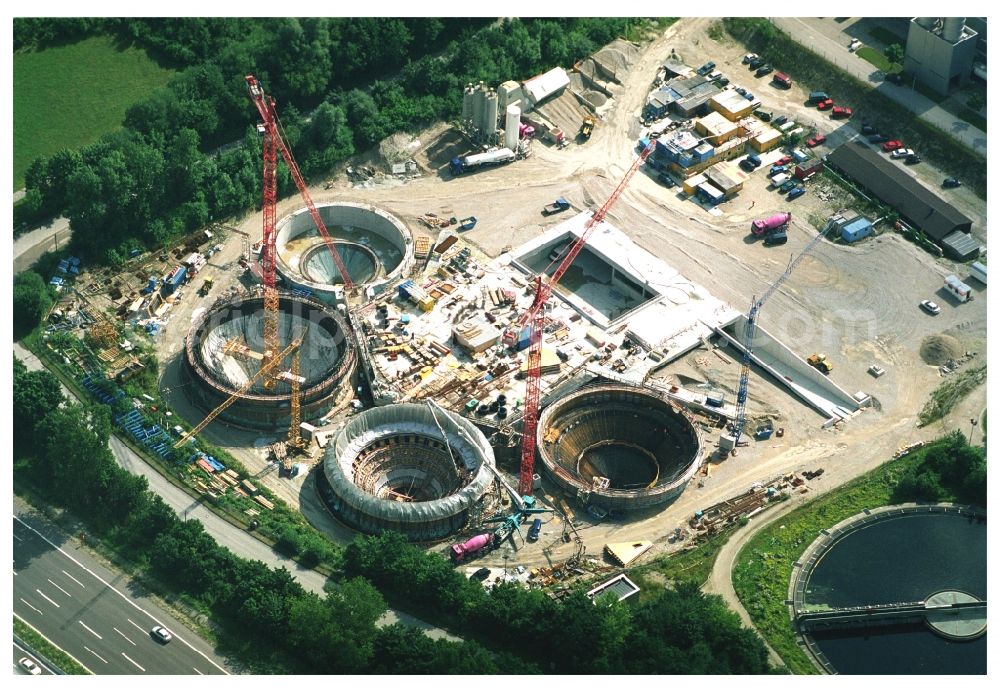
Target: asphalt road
x=95, y=615
x=20, y=653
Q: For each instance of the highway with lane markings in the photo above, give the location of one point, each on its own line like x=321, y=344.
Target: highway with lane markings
x=92, y=613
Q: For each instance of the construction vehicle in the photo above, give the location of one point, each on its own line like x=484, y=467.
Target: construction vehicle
x=473, y=546
x=749, y=332
x=509, y=523
x=206, y=286
x=762, y=226
x=467, y=224
x=533, y=317
x=496, y=157
x=587, y=128
x=819, y=361
x=559, y=205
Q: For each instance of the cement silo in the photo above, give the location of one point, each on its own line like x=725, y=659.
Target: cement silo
x=467, y=98
x=478, y=105
x=489, y=123
x=952, y=30
x=512, y=127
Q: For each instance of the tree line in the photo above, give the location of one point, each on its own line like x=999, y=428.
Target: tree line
x=359, y=80
x=271, y=624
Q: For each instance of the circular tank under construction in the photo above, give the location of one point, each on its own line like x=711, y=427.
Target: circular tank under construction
x=618, y=447
x=373, y=245
x=412, y=468
x=224, y=350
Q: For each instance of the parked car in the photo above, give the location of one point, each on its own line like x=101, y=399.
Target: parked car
x=783, y=161
x=747, y=166
x=895, y=78
x=930, y=307
x=776, y=237
x=754, y=159
x=841, y=112
x=824, y=105
x=868, y=129
x=818, y=96
x=666, y=180
x=29, y=666
x=756, y=62
x=722, y=81
x=815, y=140
x=878, y=139
x=706, y=68
x=952, y=182
x=763, y=70
x=912, y=159
x=741, y=91
x=780, y=120
x=796, y=193
x=748, y=57
x=480, y=574
x=763, y=115
x=854, y=45
x=787, y=186
x=161, y=634
x=748, y=96
x=892, y=145
x=775, y=169
x=901, y=153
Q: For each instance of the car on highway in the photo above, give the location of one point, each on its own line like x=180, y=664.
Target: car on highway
x=748, y=57
x=901, y=153
x=951, y=182
x=824, y=105
x=763, y=70
x=930, y=307
x=815, y=140
x=841, y=112
x=480, y=574
x=161, y=634
x=892, y=145
x=878, y=139
x=29, y=666
x=796, y=193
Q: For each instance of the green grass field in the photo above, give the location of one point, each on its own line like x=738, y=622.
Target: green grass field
x=71, y=95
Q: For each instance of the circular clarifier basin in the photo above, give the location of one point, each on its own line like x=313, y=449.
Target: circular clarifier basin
x=361, y=263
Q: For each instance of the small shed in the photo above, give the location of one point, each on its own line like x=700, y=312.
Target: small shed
x=807, y=168
x=857, y=228
x=710, y=193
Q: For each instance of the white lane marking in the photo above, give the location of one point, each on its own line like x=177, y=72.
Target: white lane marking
x=133, y=662
x=59, y=587
x=90, y=630
x=18, y=538
x=196, y=670
x=42, y=594
x=31, y=606
x=95, y=653
x=73, y=578
x=136, y=626
x=130, y=602
x=123, y=634
x=15, y=573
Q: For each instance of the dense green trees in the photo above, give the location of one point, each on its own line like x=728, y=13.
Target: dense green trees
x=358, y=79
x=953, y=469
x=31, y=302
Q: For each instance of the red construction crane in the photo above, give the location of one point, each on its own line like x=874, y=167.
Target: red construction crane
x=533, y=316
x=270, y=128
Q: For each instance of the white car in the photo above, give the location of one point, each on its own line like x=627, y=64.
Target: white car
x=748, y=57
x=854, y=45
x=901, y=153
x=29, y=666
x=930, y=306
x=161, y=634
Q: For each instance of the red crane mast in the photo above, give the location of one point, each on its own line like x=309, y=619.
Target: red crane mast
x=274, y=142
x=534, y=315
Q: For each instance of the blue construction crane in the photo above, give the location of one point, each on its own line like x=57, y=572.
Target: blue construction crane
x=751, y=330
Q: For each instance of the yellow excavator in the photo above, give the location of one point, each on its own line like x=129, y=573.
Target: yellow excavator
x=587, y=128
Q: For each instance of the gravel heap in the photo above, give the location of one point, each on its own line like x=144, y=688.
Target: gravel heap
x=940, y=348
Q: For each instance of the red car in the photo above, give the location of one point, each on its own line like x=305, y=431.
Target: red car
x=841, y=112
x=892, y=145
x=783, y=161
x=823, y=105
x=816, y=141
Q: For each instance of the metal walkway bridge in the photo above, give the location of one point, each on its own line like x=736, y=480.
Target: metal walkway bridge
x=881, y=615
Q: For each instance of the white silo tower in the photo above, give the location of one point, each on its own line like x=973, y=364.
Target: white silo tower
x=478, y=106
x=512, y=128
x=467, y=96
x=489, y=125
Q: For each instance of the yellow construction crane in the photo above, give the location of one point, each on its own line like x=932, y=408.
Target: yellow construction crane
x=294, y=378
x=265, y=369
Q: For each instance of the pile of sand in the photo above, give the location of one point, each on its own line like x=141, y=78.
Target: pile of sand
x=940, y=348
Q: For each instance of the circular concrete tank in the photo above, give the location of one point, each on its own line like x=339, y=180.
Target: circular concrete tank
x=373, y=244
x=219, y=359
x=642, y=446
x=390, y=468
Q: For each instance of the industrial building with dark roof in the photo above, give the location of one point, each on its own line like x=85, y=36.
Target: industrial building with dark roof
x=917, y=206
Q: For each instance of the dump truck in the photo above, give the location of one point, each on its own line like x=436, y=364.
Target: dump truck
x=497, y=157
x=587, y=128
x=467, y=224
x=819, y=361
x=474, y=545
x=556, y=207
x=762, y=226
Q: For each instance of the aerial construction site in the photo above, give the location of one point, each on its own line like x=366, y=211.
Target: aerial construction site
x=557, y=313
